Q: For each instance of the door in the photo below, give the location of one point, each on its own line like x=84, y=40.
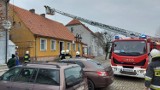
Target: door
x=47, y=79
x=61, y=46
x=25, y=80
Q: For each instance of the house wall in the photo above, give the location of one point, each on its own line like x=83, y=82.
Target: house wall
x=87, y=37
x=21, y=35
x=25, y=40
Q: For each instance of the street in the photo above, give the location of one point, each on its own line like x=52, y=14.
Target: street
x=123, y=82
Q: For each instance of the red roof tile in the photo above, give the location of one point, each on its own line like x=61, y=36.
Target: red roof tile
x=74, y=22
x=77, y=22
x=39, y=25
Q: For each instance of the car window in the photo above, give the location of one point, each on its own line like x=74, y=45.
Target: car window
x=11, y=74
x=80, y=63
x=26, y=75
x=73, y=76
x=95, y=63
x=48, y=76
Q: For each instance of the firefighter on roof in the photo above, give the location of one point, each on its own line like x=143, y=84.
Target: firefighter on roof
x=152, y=78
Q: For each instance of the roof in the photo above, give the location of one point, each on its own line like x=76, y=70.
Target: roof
x=48, y=65
x=77, y=22
x=42, y=26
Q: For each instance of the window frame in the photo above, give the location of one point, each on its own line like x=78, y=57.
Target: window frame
x=45, y=44
x=68, y=45
x=74, y=46
x=53, y=48
x=79, y=47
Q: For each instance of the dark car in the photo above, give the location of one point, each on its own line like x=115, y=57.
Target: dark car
x=98, y=76
x=46, y=76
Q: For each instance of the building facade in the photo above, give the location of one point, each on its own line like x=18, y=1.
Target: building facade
x=88, y=37
x=42, y=37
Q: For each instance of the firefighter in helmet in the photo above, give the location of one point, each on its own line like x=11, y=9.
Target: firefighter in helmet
x=27, y=57
x=78, y=54
x=62, y=55
x=152, y=78
x=67, y=56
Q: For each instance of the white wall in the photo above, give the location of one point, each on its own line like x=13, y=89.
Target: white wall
x=87, y=38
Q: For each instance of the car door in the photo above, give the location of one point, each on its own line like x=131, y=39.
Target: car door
x=74, y=78
x=25, y=79
x=6, y=80
x=47, y=79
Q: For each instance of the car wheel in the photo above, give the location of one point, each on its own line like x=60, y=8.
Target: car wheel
x=90, y=85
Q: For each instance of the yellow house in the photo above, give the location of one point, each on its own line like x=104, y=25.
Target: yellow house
x=42, y=37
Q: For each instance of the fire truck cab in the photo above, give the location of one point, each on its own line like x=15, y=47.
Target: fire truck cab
x=130, y=56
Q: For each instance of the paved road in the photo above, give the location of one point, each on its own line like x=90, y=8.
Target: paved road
x=123, y=82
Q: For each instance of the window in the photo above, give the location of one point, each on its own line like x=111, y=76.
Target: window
x=69, y=46
x=53, y=45
x=26, y=75
x=74, y=47
x=48, y=76
x=73, y=76
x=79, y=47
x=10, y=75
x=43, y=44
x=72, y=29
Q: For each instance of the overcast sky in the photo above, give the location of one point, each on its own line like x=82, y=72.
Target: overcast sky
x=141, y=16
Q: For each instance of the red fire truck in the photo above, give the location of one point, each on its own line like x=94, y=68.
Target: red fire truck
x=130, y=56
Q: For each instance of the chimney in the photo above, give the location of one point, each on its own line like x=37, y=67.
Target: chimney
x=43, y=15
x=32, y=10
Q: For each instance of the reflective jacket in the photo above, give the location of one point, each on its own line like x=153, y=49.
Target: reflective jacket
x=152, y=78
x=26, y=58
x=67, y=56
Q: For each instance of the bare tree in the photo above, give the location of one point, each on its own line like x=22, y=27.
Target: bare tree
x=103, y=38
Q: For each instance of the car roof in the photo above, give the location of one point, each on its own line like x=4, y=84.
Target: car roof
x=78, y=59
x=49, y=65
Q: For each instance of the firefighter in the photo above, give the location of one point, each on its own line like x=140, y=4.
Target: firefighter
x=152, y=78
x=62, y=55
x=78, y=54
x=27, y=57
x=67, y=56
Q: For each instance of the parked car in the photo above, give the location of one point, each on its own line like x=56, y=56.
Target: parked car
x=46, y=76
x=98, y=76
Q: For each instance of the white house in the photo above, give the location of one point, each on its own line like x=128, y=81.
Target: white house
x=88, y=37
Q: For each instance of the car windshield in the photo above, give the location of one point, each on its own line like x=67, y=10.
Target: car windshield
x=130, y=48
x=95, y=63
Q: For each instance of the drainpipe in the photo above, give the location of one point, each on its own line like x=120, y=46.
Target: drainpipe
x=6, y=3
x=35, y=47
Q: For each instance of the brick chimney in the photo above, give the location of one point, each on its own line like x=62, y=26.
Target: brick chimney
x=32, y=10
x=43, y=15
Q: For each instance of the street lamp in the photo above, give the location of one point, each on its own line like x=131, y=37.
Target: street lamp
x=78, y=37
x=6, y=25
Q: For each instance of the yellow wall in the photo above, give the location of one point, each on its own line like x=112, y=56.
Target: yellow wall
x=56, y=52
x=21, y=35
x=25, y=40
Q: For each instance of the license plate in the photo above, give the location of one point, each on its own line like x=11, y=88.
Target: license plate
x=80, y=88
x=127, y=70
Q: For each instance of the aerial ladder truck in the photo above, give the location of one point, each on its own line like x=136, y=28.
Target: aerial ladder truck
x=129, y=56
